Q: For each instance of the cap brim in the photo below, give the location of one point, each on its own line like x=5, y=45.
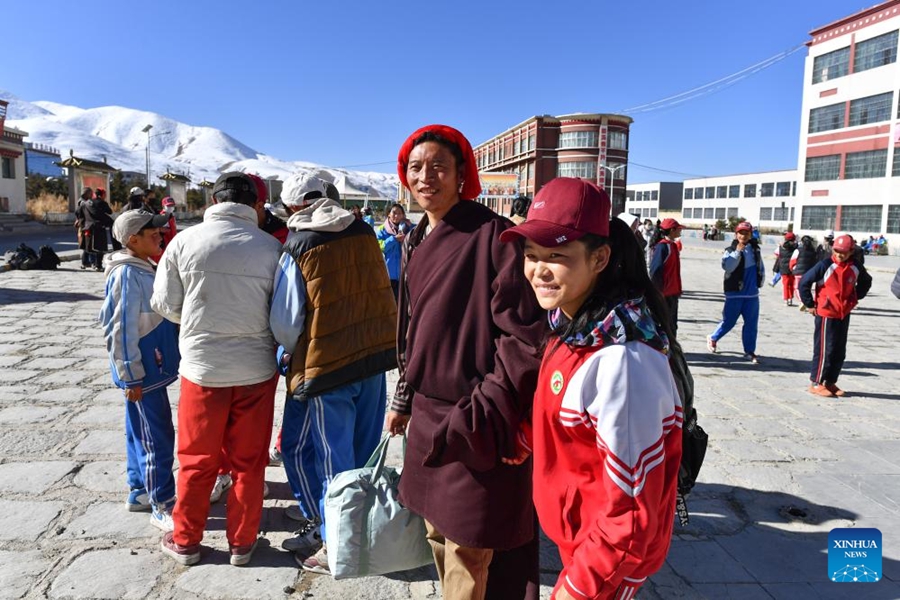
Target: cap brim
x=157, y=221
x=543, y=233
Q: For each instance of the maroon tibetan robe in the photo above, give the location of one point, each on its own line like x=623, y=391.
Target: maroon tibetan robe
x=469, y=338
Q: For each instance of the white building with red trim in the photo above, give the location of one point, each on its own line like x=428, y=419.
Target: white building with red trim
x=849, y=160
x=12, y=166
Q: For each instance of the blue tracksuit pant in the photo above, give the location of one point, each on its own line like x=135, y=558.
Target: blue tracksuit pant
x=150, y=445
x=748, y=309
x=330, y=434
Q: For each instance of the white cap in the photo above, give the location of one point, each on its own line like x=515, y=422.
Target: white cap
x=829, y=233
x=130, y=222
x=628, y=218
x=298, y=186
x=136, y=191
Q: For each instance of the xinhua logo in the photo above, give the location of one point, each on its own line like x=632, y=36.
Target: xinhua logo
x=854, y=555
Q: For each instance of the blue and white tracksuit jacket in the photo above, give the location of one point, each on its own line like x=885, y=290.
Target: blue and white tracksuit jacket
x=744, y=274
x=143, y=351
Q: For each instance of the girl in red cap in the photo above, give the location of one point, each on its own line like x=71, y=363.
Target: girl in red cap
x=467, y=344
x=606, y=425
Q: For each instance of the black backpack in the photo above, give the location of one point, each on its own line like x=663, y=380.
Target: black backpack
x=47, y=259
x=693, y=439
x=23, y=258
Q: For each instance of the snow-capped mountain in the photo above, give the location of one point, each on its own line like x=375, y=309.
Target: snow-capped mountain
x=116, y=133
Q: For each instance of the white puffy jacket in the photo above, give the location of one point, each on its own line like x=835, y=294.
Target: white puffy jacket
x=216, y=280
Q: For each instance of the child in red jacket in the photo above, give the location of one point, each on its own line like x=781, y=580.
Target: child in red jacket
x=606, y=423
x=840, y=285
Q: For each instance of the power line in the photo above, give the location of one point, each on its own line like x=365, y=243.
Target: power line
x=691, y=175
x=714, y=86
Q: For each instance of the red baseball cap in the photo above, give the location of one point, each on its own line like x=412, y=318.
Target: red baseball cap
x=789, y=236
x=564, y=210
x=744, y=226
x=842, y=243
x=670, y=223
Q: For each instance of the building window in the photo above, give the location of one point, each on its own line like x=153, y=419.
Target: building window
x=767, y=190
x=893, y=222
x=578, y=139
x=618, y=140
x=708, y=213
x=895, y=168
x=654, y=195
x=877, y=52
x=620, y=174
x=783, y=188
x=750, y=190
x=531, y=142
x=792, y=213
x=710, y=192
x=698, y=213
x=823, y=168
x=734, y=191
x=689, y=192
x=646, y=213
x=871, y=109
x=721, y=191
x=793, y=188
x=652, y=212
x=866, y=165
x=584, y=170
x=779, y=214
x=9, y=168
x=818, y=217
x=765, y=214
x=733, y=212
x=720, y=213
x=831, y=65
x=686, y=213
x=866, y=217
x=698, y=193
x=826, y=118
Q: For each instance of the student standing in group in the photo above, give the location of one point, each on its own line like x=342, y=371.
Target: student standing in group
x=143, y=358
x=606, y=425
x=840, y=284
x=788, y=282
x=215, y=280
x=468, y=345
x=744, y=275
x=665, y=269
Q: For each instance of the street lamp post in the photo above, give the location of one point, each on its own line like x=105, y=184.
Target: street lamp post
x=146, y=130
x=612, y=181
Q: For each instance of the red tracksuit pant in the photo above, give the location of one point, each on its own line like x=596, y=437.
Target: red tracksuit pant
x=240, y=420
x=788, y=286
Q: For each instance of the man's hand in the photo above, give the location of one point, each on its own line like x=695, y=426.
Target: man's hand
x=400, y=236
x=396, y=423
x=133, y=394
x=521, y=456
x=741, y=246
x=563, y=594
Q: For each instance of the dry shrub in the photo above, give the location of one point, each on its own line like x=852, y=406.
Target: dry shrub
x=45, y=203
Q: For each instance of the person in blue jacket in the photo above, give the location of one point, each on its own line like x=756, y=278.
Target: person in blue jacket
x=390, y=237
x=144, y=359
x=744, y=275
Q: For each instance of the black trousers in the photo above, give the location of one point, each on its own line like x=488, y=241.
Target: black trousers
x=672, y=303
x=829, y=349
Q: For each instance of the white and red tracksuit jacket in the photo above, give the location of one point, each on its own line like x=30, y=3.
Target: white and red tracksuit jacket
x=606, y=440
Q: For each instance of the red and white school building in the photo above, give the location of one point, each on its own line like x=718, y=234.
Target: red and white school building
x=849, y=158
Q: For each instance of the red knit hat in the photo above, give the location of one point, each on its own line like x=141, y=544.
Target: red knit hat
x=471, y=185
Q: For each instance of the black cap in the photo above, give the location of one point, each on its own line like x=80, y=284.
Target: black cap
x=235, y=187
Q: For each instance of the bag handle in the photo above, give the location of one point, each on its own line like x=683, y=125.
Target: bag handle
x=379, y=456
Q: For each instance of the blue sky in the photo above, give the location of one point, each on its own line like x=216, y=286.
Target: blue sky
x=343, y=83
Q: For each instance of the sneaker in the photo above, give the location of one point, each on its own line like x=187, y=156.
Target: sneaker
x=790, y=302
x=161, y=517
x=754, y=359
x=223, y=484
x=803, y=308
x=710, y=344
x=306, y=540
x=835, y=389
x=183, y=555
x=317, y=563
x=275, y=457
x=241, y=555
x=294, y=513
x=138, y=500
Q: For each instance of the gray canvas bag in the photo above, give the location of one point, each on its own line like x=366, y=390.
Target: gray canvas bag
x=368, y=531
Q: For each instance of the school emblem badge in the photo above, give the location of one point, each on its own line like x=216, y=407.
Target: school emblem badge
x=556, y=382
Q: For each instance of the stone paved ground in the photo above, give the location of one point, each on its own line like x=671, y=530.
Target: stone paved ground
x=782, y=470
